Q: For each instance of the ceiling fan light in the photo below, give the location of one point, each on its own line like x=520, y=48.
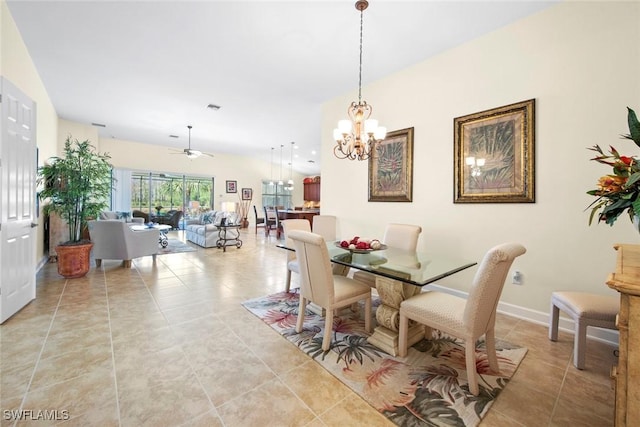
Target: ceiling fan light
x=194, y=154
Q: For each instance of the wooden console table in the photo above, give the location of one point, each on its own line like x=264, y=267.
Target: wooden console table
x=626, y=280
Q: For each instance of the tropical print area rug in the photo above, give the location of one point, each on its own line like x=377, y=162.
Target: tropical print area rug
x=428, y=387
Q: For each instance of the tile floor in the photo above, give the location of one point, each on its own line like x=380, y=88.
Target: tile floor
x=168, y=344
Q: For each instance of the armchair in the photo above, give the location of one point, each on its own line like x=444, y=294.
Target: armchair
x=172, y=218
x=114, y=239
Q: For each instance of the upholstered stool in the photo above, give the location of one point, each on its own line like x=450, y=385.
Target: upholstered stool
x=586, y=310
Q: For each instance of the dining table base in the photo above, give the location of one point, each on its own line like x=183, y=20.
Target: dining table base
x=385, y=335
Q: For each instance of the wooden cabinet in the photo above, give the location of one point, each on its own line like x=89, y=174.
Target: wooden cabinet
x=312, y=191
x=626, y=375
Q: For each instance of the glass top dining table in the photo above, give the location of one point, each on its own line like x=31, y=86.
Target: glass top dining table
x=411, y=267
x=399, y=274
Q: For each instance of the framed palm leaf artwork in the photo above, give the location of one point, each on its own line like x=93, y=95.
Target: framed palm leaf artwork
x=391, y=168
x=494, y=155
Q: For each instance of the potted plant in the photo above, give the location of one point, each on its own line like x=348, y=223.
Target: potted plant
x=77, y=188
x=619, y=191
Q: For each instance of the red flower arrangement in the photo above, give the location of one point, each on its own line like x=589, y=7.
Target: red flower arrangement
x=620, y=191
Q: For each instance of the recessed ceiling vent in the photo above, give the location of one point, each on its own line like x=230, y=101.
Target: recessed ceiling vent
x=100, y=125
x=213, y=107
x=174, y=136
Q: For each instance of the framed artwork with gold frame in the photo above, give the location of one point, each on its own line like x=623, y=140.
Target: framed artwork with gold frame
x=494, y=155
x=391, y=168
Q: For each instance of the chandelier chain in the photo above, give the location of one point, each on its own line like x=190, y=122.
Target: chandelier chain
x=360, y=68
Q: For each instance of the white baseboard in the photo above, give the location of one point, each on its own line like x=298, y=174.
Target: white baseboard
x=41, y=263
x=564, y=324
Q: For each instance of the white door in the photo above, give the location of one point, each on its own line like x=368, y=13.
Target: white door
x=17, y=200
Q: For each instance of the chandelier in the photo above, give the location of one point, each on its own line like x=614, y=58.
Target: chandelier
x=356, y=138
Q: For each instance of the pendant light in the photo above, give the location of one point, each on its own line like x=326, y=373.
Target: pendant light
x=290, y=182
x=271, y=176
x=280, y=181
x=358, y=136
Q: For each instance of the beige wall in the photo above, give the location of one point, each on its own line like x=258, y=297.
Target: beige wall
x=16, y=65
x=581, y=63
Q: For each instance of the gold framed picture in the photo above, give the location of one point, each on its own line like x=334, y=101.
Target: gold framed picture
x=494, y=155
x=391, y=168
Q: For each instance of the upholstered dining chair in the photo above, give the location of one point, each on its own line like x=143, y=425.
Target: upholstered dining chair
x=469, y=318
x=289, y=225
x=319, y=285
x=260, y=221
x=113, y=239
x=401, y=236
x=325, y=225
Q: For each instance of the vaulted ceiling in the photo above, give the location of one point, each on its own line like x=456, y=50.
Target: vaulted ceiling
x=148, y=69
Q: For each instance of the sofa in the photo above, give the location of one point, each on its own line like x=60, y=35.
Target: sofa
x=203, y=230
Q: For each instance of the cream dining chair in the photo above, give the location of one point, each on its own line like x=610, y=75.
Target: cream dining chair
x=401, y=236
x=289, y=225
x=469, y=318
x=319, y=285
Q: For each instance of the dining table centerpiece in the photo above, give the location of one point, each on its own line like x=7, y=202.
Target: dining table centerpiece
x=619, y=191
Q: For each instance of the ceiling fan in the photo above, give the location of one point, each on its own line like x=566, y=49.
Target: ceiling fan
x=192, y=154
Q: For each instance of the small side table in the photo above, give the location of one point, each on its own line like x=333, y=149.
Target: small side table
x=228, y=235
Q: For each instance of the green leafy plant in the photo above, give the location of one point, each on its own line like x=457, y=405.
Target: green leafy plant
x=618, y=192
x=77, y=186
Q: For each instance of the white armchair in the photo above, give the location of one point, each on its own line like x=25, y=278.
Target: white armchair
x=114, y=239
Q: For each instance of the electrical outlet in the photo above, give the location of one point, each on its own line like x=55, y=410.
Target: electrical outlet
x=517, y=278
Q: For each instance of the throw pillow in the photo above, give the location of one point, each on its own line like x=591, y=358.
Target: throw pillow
x=207, y=217
x=218, y=218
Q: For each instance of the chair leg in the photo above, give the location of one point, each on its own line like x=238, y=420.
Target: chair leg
x=402, y=335
x=126, y=263
x=472, y=374
x=328, y=329
x=553, y=323
x=490, y=345
x=287, y=281
x=579, y=343
x=301, y=309
x=98, y=262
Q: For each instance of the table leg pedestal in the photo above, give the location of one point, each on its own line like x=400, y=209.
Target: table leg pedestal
x=392, y=293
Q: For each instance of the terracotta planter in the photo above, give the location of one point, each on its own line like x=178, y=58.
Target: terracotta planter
x=74, y=260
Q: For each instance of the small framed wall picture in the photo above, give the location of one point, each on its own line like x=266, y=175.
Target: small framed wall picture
x=232, y=186
x=247, y=194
